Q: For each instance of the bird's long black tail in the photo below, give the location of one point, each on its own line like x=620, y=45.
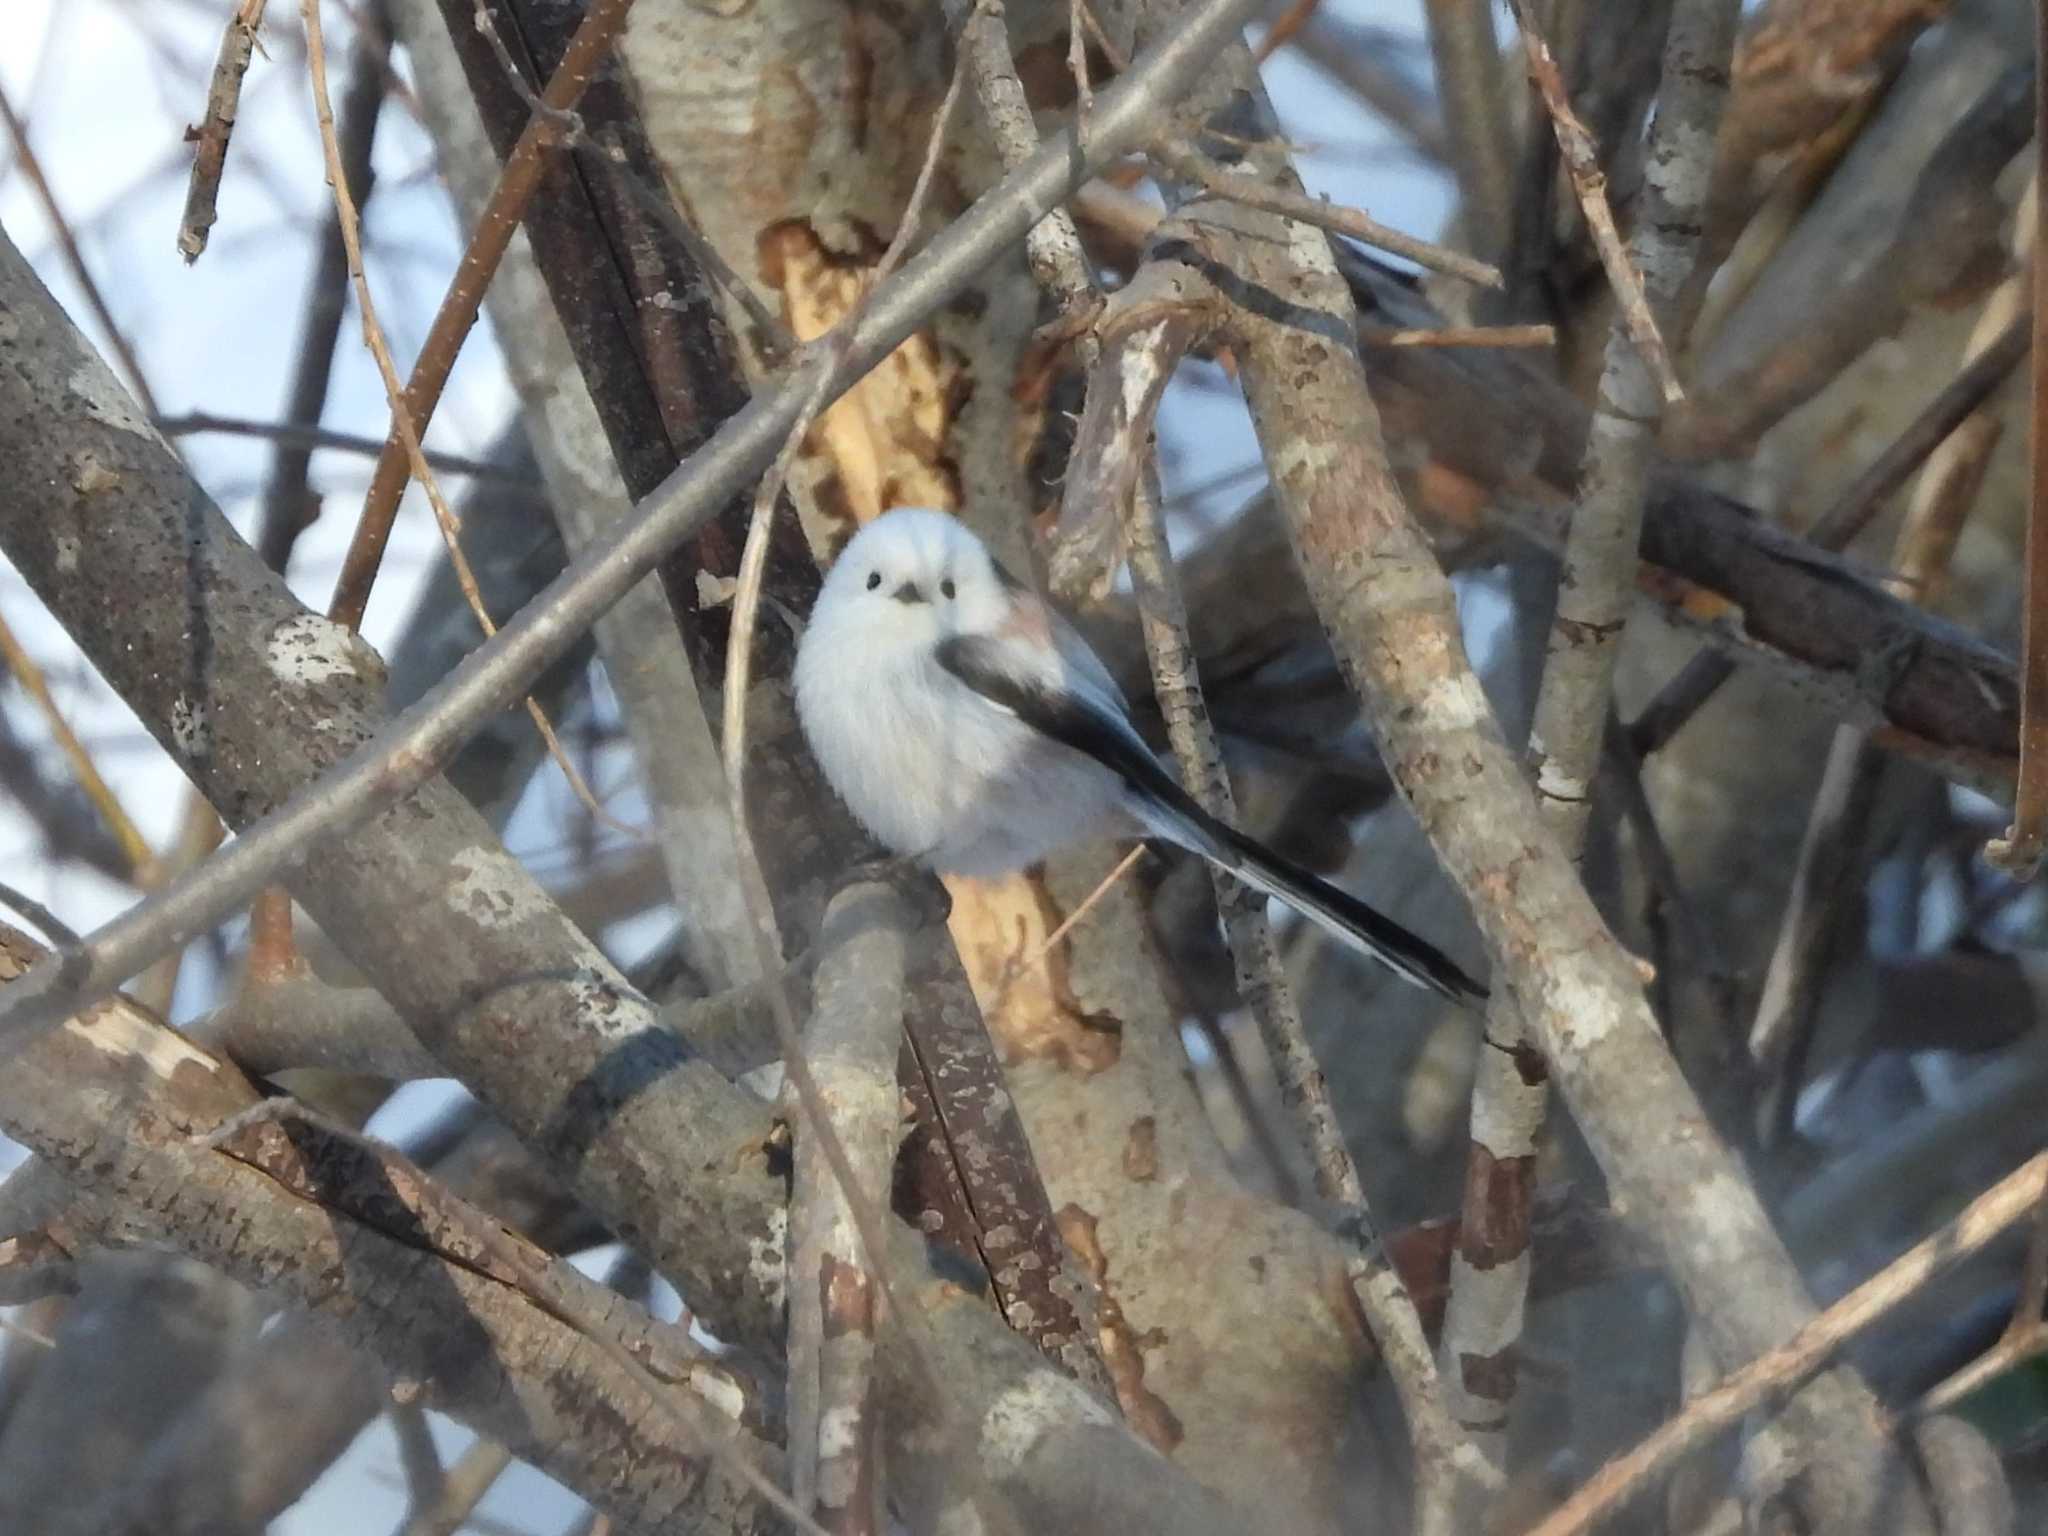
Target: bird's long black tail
x=1168, y=812
x=1092, y=720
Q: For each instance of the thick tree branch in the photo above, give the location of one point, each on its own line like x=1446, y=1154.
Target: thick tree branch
x=134, y=1114
x=1390, y=617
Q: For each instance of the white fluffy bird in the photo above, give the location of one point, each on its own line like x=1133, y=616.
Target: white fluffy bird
x=969, y=726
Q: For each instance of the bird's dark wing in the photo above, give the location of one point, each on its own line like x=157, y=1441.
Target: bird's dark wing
x=1072, y=716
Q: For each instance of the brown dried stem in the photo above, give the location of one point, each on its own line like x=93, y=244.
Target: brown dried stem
x=1589, y=182
x=223, y=98
x=413, y=407
x=142, y=860
x=1457, y=336
x=1779, y=1371
x=359, y=567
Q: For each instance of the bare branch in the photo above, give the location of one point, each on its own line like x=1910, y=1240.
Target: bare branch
x=2025, y=843
x=304, y=438
x=413, y=408
x=1589, y=182
x=1596, y=590
x=1185, y=161
x=1390, y=617
x=122, y=1104
x=461, y=1491
x=646, y=662
x=1135, y=366
x=1783, y=1368
x=1851, y=512
x=223, y=98
x=1054, y=244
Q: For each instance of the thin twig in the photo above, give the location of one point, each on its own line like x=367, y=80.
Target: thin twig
x=418, y=1457
x=1458, y=336
x=413, y=407
x=1077, y=66
x=1183, y=159
x=2020, y=851
x=2026, y=1333
x=1981, y=375
x=462, y=1489
x=142, y=860
x=55, y=929
x=1443, y=1455
x=1282, y=29
x=1016, y=970
x=1778, y=1371
x=74, y=258
x=407, y=752
x=223, y=99
x=288, y=434
x=1582, y=161
x=1053, y=248
x=289, y=504
x=352, y=593
x=1829, y=866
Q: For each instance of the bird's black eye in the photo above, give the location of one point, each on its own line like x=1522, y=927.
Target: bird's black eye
x=946, y=587
x=874, y=580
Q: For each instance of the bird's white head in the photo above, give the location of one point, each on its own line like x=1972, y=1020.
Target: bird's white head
x=915, y=576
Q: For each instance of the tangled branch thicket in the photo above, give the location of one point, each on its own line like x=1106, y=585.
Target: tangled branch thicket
x=1623, y=583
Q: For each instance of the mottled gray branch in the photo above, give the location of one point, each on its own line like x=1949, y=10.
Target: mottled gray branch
x=1595, y=595
x=1135, y=365
x=852, y=1042
x=1054, y=245
x=1391, y=619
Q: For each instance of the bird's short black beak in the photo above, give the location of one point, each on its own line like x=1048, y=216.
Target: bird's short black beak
x=908, y=593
